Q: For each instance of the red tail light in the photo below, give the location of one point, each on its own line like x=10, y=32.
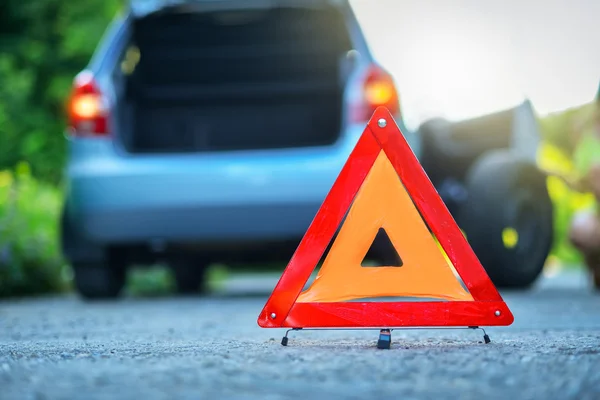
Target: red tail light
x=87, y=108
x=377, y=89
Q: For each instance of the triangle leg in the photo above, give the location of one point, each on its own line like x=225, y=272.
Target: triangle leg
x=385, y=339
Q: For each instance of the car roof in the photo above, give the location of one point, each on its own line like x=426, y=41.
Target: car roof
x=141, y=8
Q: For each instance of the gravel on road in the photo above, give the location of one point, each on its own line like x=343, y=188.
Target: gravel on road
x=211, y=347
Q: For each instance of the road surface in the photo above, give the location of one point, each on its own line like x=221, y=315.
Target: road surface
x=205, y=348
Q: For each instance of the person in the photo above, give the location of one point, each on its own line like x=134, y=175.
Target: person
x=584, y=231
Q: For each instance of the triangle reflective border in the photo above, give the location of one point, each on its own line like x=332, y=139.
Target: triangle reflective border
x=290, y=307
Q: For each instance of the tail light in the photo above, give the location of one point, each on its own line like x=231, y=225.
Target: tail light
x=87, y=108
x=377, y=88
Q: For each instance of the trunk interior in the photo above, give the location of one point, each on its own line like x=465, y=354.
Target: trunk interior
x=234, y=81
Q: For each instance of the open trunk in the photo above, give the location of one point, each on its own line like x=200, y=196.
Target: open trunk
x=231, y=81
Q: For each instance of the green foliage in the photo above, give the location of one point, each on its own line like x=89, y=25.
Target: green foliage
x=30, y=258
x=151, y=281
x=43, y=44
x=157, y=280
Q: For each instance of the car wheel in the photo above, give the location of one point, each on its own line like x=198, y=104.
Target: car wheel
x=98, y=281
x=189, y=275
x=508, y=218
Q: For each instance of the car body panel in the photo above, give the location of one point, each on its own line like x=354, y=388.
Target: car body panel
x=115, y=197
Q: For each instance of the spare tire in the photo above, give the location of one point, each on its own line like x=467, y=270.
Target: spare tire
x=508, y=218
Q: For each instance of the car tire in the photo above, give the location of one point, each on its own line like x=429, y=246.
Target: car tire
x=508, y=218
x=95, y=281
x=189, y=275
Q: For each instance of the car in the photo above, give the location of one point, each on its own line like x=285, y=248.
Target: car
x=204, y=131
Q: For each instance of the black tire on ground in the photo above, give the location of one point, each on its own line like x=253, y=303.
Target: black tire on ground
x=95, y=281
x=508, y=195
x=190, y=275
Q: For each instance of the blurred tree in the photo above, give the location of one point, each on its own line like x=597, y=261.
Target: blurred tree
x=43, y=44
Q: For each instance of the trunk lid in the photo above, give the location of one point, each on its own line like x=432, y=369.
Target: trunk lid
x=269, y=75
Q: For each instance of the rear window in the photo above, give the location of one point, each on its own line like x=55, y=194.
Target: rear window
x=274, y=45
x=277, y=78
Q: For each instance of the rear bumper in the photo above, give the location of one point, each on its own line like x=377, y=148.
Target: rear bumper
x=247, y=196
x=194, y=224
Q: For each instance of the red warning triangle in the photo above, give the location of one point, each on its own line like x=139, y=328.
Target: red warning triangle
x=383, y=186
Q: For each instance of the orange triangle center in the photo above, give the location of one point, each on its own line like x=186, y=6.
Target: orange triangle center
x=383, y=202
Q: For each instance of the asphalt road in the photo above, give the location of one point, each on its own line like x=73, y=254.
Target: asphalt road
x=204, y=348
